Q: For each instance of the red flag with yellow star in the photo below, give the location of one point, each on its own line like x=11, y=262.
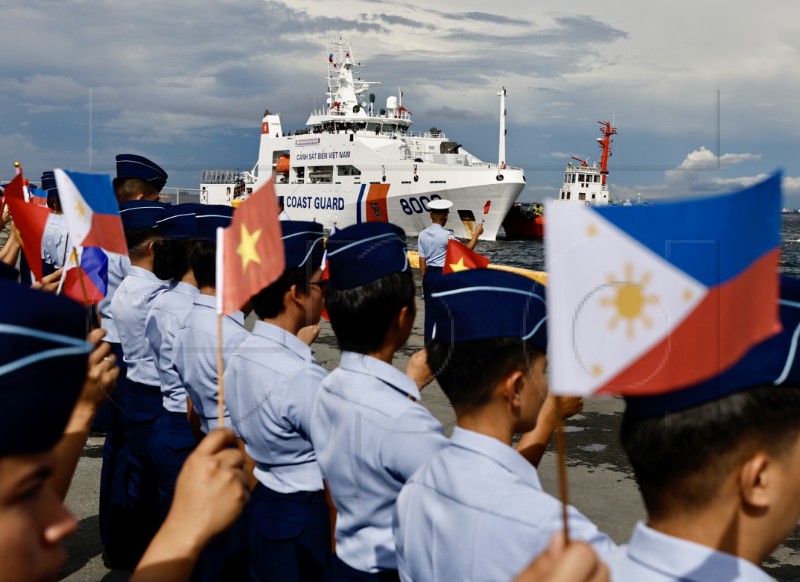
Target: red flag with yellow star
x=252, y=250
x=461, y=258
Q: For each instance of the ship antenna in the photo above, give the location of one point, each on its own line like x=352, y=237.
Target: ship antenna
x=501, y=154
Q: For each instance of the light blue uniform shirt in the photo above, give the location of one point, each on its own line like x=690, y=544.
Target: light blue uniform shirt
x=196, y=357
x=54, y=240
x=432, y=244
x=476, y=511
x=652, y=556
x=129, y=308
x=270, y=386
x=162, y=324
x=370, y=436
x=118, y=267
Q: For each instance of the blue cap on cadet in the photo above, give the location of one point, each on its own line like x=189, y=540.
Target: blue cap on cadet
x=178, y=222
x=43, y=358
x=773, y=362
x=138, y=214
x=302, y=243
x=362, y=253
x=485, y=303
x=210, y=217
x=133, y=166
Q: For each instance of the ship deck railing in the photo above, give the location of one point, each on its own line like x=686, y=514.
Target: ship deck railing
x=221, y=176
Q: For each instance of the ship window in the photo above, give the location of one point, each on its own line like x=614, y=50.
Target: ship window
x=568, y=195
x=562, y=196
x=582, y=196
x=597, y=179
x=574, y=178
x=593, y=196
x=566, y=177
x=349, y=170
x=320, y=174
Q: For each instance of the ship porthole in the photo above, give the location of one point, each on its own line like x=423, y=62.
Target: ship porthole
x=500, y=177
x=416, y=178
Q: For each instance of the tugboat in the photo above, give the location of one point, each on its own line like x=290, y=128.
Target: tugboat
x=583, y=184
x=356, y=163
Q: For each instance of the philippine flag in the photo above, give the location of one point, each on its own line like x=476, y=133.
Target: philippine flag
x=91, y=211
x=648, y=299
x=86, y=275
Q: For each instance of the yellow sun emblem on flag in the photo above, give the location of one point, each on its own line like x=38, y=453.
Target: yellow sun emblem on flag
x=247, y=247
x=630, y=301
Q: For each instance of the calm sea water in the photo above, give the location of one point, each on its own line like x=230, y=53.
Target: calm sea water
x=529, y=254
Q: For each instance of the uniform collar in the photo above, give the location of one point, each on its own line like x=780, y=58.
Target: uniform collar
x=284, y=338
x=144, y=274
x=211, y=301
x=386, y=373
x=498, y=452
x=185, y=288
x=697, y=563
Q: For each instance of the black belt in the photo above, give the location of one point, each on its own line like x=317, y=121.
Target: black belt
x=145, y=389
x=304, y=497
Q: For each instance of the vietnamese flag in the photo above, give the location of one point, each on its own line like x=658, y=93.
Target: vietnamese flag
x=460, y=258
x=29, y=221
x=250, y=251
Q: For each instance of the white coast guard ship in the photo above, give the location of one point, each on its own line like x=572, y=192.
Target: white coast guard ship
x=356, y=164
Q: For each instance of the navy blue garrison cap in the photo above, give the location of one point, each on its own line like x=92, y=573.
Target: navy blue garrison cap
x=210, y=217
x=302, y=243
x=138, y=214
x=133, y=166
x=484, y=303
x=43, y=358
x=178, y=222
x=774, y=362
x=366, y=252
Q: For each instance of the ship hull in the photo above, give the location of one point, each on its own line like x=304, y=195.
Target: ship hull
x=522, y=222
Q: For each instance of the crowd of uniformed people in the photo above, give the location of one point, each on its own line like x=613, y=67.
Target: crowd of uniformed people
x=346, y=475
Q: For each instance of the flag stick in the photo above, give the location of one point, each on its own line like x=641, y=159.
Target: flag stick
x=220, y=373
x=561, y=449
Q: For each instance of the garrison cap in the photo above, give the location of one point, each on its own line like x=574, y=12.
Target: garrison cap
x=773, y=362
x=133, y=166
x=484, y=303
x=139, y=214
x=366, y=252
x=302, y=243
x=43, y=358
x=210, y=217
x=178, y=222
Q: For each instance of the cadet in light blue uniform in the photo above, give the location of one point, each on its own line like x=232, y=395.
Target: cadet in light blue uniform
x=477, y=511
x=196, y=344
x=432, y=247
x=717, y=466
x=137, y=179
x=271, y=382
x=142, y=406
x=368, y=429
x=196, y=362
x=172, y=439
x=55, y=236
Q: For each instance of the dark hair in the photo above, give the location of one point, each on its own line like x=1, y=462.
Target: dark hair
x=681, y=459
x=54, y=202
x=469, y=371
x=361, y=316
x=138, y=238
x=203, y=261
x=129, y=188
x=171, y=259
x=268, y=302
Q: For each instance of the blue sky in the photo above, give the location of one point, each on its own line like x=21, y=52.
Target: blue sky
x=185, y=83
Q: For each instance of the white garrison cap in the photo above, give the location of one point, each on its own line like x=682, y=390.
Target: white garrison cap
x=435, y=205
